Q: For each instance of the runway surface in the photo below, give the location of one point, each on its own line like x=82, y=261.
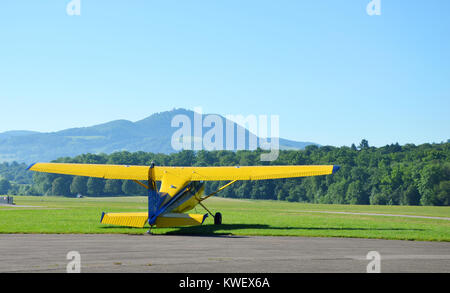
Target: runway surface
x=224, y=254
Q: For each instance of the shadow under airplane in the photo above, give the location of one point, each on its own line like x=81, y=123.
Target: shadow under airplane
x=227, y=229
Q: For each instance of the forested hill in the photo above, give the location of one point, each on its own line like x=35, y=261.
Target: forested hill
x=152, y=134
x=394, y=175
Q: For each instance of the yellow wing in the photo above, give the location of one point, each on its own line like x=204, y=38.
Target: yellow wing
x=244, y=173
x=94, y=170
x=188, y=173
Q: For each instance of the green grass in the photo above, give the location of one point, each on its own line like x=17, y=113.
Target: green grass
x=240, y=217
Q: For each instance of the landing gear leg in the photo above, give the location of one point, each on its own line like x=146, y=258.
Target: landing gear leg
x=217, y=216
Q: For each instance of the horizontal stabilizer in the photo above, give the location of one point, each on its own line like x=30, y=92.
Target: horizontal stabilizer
x=139, y=220
x=177, y=220
x=125, y=219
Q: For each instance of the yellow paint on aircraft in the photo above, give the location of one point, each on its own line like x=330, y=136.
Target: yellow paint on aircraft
x=178, y=220
x=187, y=173
x=126, y=219
x=173, y=181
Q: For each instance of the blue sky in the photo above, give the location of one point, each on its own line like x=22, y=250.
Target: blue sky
x=331, y=72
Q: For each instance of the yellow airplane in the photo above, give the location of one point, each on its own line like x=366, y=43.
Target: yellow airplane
x=181, y=187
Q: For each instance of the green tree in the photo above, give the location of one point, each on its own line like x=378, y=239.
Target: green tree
x=430, y=178
x=294, y=194
x=336, y=193
x=281, y=195
x=356, y=193
x=79, y=185
x=27, y=190
x=113, y=187
x=411, y=196
x=4, y=186
x=95, y=186
x=443, y=193
x=60, y=187
x=378, y=198
x=364, y=144
x=130, y=188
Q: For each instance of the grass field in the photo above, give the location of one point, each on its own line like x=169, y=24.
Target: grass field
x=240, y=217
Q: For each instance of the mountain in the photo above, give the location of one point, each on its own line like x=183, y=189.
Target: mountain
x=16, y=133
x=152, y=134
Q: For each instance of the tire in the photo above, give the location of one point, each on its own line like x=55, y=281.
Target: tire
x=217, y=219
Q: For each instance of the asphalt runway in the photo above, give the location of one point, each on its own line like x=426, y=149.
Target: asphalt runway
x=222, y=254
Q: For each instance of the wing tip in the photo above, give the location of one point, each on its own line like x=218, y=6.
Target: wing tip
x=335, y=168
x=31, y=166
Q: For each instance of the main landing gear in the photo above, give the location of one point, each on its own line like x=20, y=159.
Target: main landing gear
x=217, y=216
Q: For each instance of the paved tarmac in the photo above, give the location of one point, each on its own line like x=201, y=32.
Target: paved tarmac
x=222, y=254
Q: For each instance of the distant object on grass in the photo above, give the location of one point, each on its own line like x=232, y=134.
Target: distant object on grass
x=6, y=200
x=79, y=195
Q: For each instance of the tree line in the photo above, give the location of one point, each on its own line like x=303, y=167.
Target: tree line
x=389, y=175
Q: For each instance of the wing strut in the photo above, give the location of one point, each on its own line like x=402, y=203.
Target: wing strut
x=215, y=192
x=141, y=184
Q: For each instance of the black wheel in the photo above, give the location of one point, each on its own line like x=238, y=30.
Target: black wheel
x=217, y=219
